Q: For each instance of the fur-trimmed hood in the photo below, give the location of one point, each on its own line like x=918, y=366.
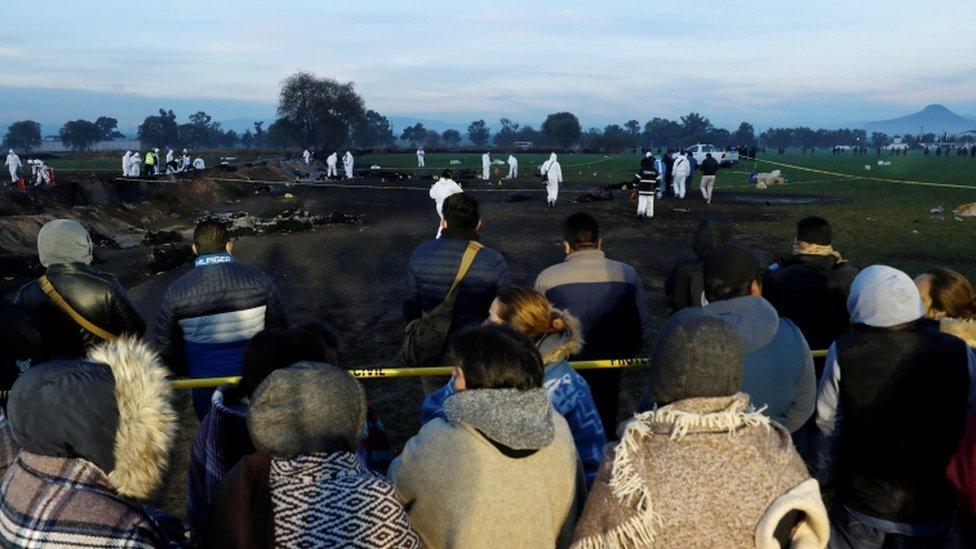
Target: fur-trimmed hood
x=112, y=409
x=558, y=347
x=963, y=329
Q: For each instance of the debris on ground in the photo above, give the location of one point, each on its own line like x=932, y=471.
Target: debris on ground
x=168, y=257
x=937, y=211
x=518, y=197
x=764, y=179
x=966, y=210
x=597, y=194
x=155, y=238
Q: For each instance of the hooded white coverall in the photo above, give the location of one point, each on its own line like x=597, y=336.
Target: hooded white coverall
x=439, y=192
x=43, y=177
x=421, y=158
x=13, y=164
x=486, y=167
x=512, y=166
x=553, y=173
x=199, y=164
x=126, y=161
x=135, y=164
x=157, y=168
x=347, y=164
x=307, y=156
x=681, y=170
x=331, y=162
x=170, y=155
x=184, y=161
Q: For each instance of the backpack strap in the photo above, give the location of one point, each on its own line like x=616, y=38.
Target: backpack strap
x=58, y=300
x=466, y=261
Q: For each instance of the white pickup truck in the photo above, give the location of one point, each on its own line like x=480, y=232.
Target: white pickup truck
x=725, y=158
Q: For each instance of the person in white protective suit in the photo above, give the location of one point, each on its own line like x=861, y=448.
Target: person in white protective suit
x=553, y=173
x=421, y=158
x=184, y=161
x=42, y=176
x=307, y=156
x=199, y=164
x=135, y=164
x=681, y=170
x=170, y=156
x=157, y=167
x=440, y=190
x=347, y=164
x=486, y=167
x=126, y=160
x=512, y=166
x=13, y=164
x=330, y=163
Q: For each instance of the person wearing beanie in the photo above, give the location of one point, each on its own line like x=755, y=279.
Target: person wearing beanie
x=892, y=403
x=558, y=335
x=701, y=467
x=777, y=372
x=65, y=250
x=810, y=286
x=684, y=286
x=305, y=487
x=499, y=469
x=95, y=436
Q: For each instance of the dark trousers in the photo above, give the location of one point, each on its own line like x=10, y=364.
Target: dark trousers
x=605, y=385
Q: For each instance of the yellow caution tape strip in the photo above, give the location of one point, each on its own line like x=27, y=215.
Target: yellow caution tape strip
x=387, y=373
x=869, y=178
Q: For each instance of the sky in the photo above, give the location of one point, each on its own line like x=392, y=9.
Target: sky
x=817, y=63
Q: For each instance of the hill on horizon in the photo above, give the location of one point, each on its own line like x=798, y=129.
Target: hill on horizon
x=932, y=119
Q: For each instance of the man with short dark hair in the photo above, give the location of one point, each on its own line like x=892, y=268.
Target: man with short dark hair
x=208, y=314
x=709, y=167
x=777, y=364
x=608, y=297
x=434, y=264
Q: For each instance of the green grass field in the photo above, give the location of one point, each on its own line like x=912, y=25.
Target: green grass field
x=874, y=220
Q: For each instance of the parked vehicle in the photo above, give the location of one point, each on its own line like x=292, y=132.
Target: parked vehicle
x=724, y=157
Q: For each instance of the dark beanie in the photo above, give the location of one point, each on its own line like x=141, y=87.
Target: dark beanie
x=815, y=230
x=727, y=269
x=695, y=355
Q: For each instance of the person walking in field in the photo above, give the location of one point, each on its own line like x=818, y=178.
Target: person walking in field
x=512, y=166
x=709, y=167
x=681, y=170
x=347, y=163
x=330, y=162
x=440, y=190
x=552, y=172
x=486, y=167
x=13, y=164
x=421, y=158
x=662, y=169
x=307, y=157
x=646, y=181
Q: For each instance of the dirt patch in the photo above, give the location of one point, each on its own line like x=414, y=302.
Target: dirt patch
x=765, y=199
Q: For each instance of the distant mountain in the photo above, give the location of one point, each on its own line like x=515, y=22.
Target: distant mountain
x=933, y=118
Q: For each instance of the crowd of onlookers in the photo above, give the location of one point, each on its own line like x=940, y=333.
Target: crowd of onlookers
x=741, y=438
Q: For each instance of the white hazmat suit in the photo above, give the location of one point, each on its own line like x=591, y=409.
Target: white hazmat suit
x=126, y=163
x=13, y=164
x=170, y=156
x=307, y=156
x=512, y=166
x=421, y=158
x=157, y=167
x=553, y=173
x=184, y=161
x=331, y=162
x=135, y=164
x=486, y=167
x=681, y=171
x=347, y=163
x=199, y=164
x=43, y=177
x=439, y=191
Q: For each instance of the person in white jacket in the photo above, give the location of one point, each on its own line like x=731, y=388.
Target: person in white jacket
x=13, y=164
x=157, y=167
x=512, y=166
x=486, y=167
x=440, y=190
x=681, y=170
x=126, y=163
x=421, y=158
x=553, y=172
x=331, y=162
x=184, y=161
x=135, y=165
x=307, y=156
x=347, y=163
x=170, y=156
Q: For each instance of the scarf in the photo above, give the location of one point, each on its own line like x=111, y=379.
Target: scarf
x=808, y=248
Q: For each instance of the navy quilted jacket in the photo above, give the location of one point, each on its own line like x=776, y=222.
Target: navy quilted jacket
x=208, y=315
x=431, y=272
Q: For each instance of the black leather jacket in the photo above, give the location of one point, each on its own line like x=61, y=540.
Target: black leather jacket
x=95, y=295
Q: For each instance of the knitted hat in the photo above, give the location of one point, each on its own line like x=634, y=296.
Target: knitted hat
x=307, y=408
x=727, y=269
x=694, y=356
x=64, y=241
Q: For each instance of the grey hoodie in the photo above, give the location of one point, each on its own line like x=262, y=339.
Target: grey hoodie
x=777, y=364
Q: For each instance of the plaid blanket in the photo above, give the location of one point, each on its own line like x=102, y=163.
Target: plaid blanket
x=8, y=446
x=50, y=501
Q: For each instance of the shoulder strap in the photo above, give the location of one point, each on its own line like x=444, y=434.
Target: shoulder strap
x=466, y=261
x=58, y=300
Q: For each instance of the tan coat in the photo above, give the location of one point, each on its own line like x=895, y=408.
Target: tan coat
x=703, y=472
x=461, y=491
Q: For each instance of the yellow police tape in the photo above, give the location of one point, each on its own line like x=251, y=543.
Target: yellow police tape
x=386, y=373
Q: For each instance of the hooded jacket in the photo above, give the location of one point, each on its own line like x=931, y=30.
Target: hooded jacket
x=571, y=396
x=306, y=487
x=65, y=248
x=685, y=285
x=499, y=471
x=112, y=414
x=552, y=170
x=778, y=372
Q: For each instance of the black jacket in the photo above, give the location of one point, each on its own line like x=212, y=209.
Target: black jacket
x=431, y=271
x=812, y=290
x=94, y=295
x=19, y=339
x=709, y=166
x=685, y=285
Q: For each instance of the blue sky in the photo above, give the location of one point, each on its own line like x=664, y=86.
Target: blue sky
x=814, y=63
